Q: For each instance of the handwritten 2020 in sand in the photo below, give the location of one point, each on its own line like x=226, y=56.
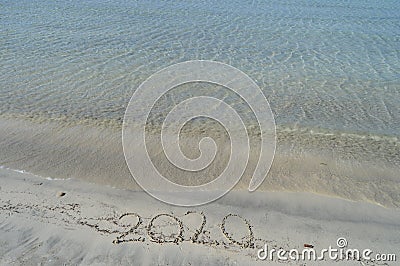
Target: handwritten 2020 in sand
x=143, y=109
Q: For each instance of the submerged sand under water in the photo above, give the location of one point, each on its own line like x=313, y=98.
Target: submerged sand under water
x=357, y=167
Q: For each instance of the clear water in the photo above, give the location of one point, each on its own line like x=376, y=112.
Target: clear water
x=330, y=66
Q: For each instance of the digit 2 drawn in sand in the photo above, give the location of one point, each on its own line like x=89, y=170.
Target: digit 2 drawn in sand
x=135, y=137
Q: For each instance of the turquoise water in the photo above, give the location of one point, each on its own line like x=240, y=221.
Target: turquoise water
x=326, y=64
x=330, y=70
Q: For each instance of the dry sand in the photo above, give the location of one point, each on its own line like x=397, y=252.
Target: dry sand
x=56, y=222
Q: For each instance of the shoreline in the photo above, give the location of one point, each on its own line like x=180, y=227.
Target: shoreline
x=342, y=168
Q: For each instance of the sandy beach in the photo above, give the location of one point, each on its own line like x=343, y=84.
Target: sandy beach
x=69, y=222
